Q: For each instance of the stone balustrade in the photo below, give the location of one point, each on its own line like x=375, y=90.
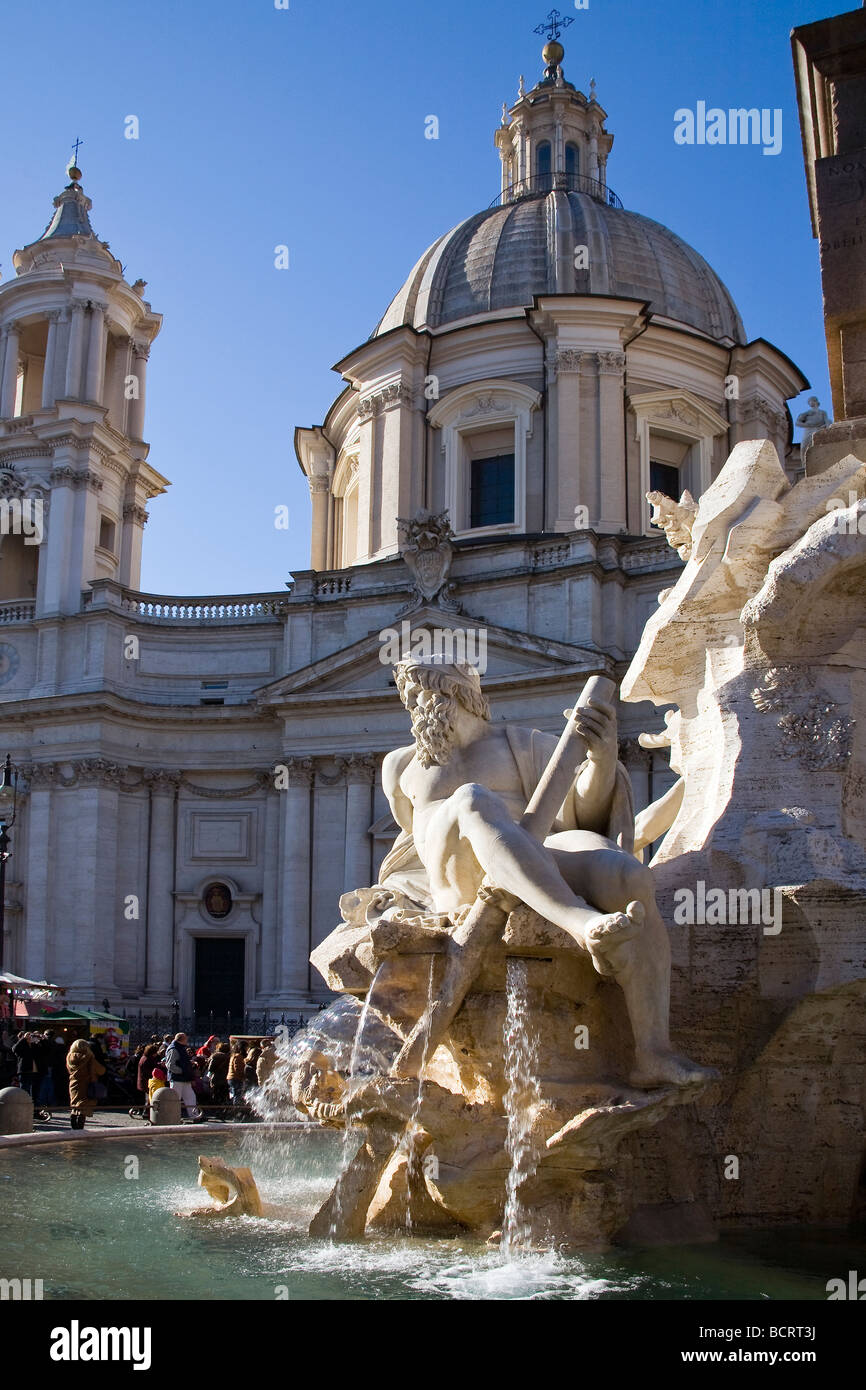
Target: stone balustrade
x=163, y=608
x=17, y=610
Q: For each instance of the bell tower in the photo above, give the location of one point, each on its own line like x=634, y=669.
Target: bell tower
x=553, y=137
x=74, y=344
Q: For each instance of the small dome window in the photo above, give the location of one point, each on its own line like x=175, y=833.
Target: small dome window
x=543, y=166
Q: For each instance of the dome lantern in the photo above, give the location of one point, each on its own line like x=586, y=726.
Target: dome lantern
x=554, y=136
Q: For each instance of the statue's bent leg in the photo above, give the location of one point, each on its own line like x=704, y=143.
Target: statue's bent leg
x=610, y=878
x=477, y=820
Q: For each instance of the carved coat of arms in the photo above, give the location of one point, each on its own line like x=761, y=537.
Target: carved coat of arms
x=427, y=550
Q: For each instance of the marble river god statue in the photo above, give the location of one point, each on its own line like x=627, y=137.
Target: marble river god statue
x=515, y=854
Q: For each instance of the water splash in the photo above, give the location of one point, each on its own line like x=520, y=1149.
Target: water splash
x=522, y=1097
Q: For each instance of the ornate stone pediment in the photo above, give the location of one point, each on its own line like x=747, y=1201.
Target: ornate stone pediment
x=364, y=669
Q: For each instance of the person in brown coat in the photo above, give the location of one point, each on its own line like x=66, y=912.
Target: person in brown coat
x=83, y=1069
x=217, y=1070
x=237, y=1064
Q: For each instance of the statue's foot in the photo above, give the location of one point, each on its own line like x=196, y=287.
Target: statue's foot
x=609, y=930
x=668, y=1069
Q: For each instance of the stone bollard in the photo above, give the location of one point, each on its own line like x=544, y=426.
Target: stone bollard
x=165, y=1107
x=16, y=1111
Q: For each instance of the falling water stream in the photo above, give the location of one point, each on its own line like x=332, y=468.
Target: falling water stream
x=408, y=1141
x=522, y=1097
x=350, y=1133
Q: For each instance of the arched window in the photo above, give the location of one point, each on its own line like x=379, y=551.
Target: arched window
x=543, y=167
x=572, y=164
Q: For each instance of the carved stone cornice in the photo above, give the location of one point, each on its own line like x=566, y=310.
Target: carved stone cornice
x=141, y=350
x=89, y=445
x=299, y=770
x=386, y=398
x=318, y=485
x=161, y=781
x=133, y=512
x=112, y=463
x=40, y=776
x=12, y=454
x=569, y=359
x=610, y=363
x=97, y=772
x=359, y=769
x=64, y=476
x=759, y=408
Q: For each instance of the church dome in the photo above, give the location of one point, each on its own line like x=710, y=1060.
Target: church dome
x=501, y=258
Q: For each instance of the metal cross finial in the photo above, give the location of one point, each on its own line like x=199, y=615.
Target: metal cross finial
x=75, y=149
x=554, y=24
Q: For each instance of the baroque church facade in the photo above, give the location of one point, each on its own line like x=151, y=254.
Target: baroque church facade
x=199, y=779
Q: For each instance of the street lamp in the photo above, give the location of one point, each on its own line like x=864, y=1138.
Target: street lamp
x=8, y=809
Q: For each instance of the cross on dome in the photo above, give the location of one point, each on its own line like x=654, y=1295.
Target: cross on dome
x=553, y=25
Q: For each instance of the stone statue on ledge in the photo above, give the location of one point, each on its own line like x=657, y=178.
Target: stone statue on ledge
x=811, y=420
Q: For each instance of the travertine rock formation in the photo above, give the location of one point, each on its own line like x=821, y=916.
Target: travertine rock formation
x=761, y=646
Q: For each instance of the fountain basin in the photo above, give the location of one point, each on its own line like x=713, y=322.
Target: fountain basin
x=75, y=1217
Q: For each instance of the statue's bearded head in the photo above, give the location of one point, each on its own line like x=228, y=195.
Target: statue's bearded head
x=433, y=693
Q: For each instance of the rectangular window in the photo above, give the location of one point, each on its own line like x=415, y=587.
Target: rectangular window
x=106, y=534
x=491, y=497
x=664, y=477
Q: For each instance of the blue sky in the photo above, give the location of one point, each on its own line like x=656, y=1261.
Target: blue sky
x=305, y=127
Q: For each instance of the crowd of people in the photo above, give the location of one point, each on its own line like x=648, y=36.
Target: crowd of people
x=217, y=1073
x=56, y=1073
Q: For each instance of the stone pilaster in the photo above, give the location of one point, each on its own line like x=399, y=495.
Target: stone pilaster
x=565, y=365
x=50, y=359
x=163, y=787
x=268, y=955
x=135, y=427
x=34, y=960
x=94, y=904
x=294, y=943
x=95, y=371
x=360, y=774
x=75, y=350
x=9, y=380
x=320, y=492
x=611, y=452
